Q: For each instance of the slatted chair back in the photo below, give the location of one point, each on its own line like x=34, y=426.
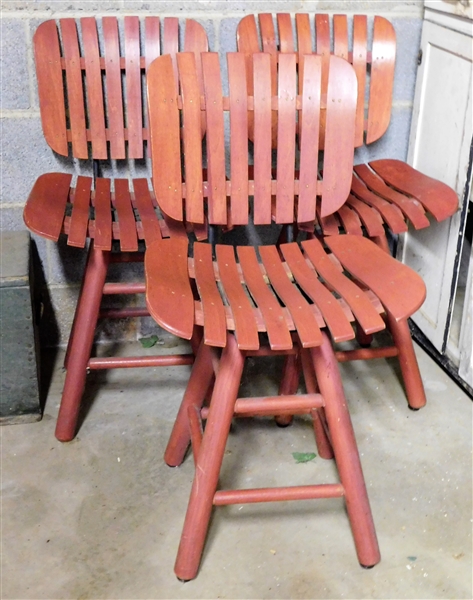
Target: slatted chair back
x=91, y=81
x=223, y=197
x=372, y=54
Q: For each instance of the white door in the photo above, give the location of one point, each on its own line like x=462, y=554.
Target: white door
x=440, y=141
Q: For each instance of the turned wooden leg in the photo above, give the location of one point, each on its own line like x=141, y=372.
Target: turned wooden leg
x=209, y=461
x=346, y=453
x=289, y=385
x=80, y=344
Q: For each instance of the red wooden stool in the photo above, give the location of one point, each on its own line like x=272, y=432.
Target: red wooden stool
x=268, y=300
x=104, y=122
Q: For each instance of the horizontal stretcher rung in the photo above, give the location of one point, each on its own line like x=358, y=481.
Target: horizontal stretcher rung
x=366, y=353
x=275, y=405
x=109, y=289
x=131, y=362
x=124, y=313
x=281, y=494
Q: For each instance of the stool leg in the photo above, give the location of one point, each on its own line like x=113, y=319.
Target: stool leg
x=209, y=461
x=80, y=345
x=346, y=453
x=289, y=385
x=201, y=376
x=408, y=361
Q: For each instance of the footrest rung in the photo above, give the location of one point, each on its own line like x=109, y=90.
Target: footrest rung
x=280, y=494
x=131, y=362
x=275, y=405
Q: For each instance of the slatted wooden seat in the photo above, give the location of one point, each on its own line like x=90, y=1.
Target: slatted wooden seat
x=91, y=82
x=385, y=194
x=267, y=300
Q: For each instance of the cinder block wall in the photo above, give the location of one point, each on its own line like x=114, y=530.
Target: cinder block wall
x=25, y=154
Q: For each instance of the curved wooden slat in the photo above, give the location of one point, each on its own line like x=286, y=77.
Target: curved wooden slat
x=300, y=310
x=360, y=52
x=248, y=44
x=246, y=330
x=50, y=86
x=169, y=295
x=436, y=197
x=411, y=208
x=273, y=316
x=93, y=73
x=238, y=138
x=334, y=317
x=339, y=135
x=262, y=139
x=113, y=78
x=195, y=40
x=190, y=91
x=286, y=37
x=382, y=78
x=287, y=92
x=309, y=144
x=152, y=40
x=369, y=217
x=144, y=204
x=171, y=41
x=165, y=137
x=304, y=43
x=340, y=36
x=80, y=213
x=75, y=92
x=401, y=290
x=103, y=214
x=125, y=216
x=134, y=113
x=45, y=208
x=356, y=299
x=215, y=322
x=350, y=220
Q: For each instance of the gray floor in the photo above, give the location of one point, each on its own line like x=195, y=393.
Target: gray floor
x=100, y=517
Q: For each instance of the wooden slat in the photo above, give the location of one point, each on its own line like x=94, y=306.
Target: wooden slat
x=134, y=114
x=125, y=216
x=262, y=139
x=80, y=213
x=411, y=208
x=287, y=92
x=215, y=324
x=165, y=137
x=195, y=40
x=152, y=40
x=390, y=213
x=332, y=312
x=46, y=205
x=103, y=215
x=144, y=204
x=304, y=43
x=169, y=295
x=190, y=91
x=268, y=35
x=273, y=316
x=322, y=45
x=217, y=211
x=360, y=50
x=171, y=41
x=248, y=44
x=300, y=310
x=95, y=102
x=246, y=329
x=286, y=37
x=350, y=220
x=436, y=197
x=399, y=288
x=382, y=78
x=238, y=138
x=356, y=299
x=369, y=217
x=339, y=135
x=50, y=86
x=75, y=92
x=116, y=122
x=340, y=36
x=309, y=152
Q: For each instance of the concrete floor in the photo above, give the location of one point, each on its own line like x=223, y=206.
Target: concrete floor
x=100, y=517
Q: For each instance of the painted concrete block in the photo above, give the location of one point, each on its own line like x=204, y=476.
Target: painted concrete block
x=14, y=82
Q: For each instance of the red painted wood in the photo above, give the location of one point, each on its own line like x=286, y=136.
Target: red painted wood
x=301, y=313
x=382, y=78
x=93, y=74
x=152, y=40
x=103, y=215
x=350, y=221
x=217, y=199
x=273, y=316
x=369, y=216
x=280, y=494
x=248, y=44
x=190, y=91
x=50, y=86
x=40, y=214
x=171, y=41
x=238, y=138
x=340, y=36
x=114, y=96
x=262, y=139
x=125, y=216
x=133, y=106
x=304, y=43
x=80, y=213
x=286, y=38
x=148, y=216
x=75, y=92
x=360, y=51
x=246, y=330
